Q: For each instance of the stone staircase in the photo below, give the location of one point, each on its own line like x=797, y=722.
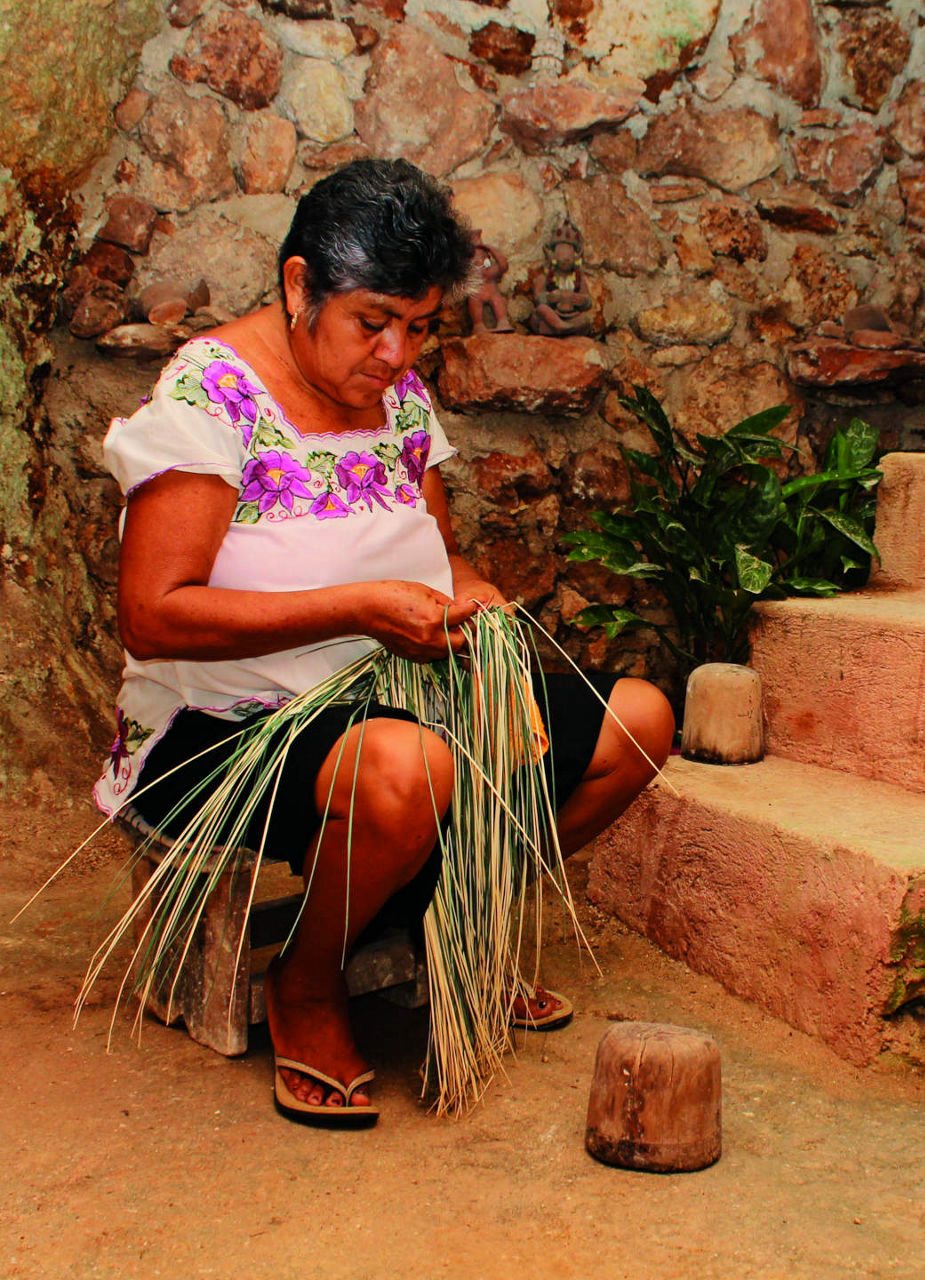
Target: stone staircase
x=799, y=882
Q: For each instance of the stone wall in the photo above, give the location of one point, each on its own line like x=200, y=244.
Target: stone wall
x=743, y=172
x=65, y=65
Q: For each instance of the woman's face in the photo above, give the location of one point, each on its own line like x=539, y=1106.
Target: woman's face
x=362, y=343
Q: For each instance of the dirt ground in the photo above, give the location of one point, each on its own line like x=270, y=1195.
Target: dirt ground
x=169, y=1160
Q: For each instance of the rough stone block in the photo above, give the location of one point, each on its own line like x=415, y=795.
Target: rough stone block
x=511, y=371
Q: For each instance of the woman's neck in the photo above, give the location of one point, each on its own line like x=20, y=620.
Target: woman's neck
x=262, y=338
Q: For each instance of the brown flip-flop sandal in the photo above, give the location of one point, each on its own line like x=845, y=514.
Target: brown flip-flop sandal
x=321, y=1114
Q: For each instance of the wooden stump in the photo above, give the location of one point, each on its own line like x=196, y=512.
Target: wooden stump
x=722, y=715
x=655, y=1099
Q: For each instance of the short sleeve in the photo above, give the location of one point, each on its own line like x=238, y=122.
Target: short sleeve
x=410, y=390
x=440, y=447
x=170, y=433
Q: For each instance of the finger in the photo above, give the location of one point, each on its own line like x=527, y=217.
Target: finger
x=457, y=639
x=459, y=611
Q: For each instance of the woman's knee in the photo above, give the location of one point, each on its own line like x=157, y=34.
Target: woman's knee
x=646, y=717
x=402, y=782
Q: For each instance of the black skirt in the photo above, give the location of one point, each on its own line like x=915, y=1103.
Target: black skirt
x=197, y=744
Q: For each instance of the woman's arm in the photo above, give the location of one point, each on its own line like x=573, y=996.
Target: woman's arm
x=174, y=526
x=468, y=585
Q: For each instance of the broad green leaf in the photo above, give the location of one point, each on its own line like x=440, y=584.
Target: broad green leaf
x=648, y=410
x=618, y=523
x=612, y=619
x=802, y=483
x=685, y=451
x=760, y=504
x=862, y=442
x=851, y=529
x=759, y=424
x=647, y=463
x=811, y=586
x=849, y=562
x=754, y=574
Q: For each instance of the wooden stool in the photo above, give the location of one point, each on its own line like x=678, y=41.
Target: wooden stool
x=656, y=1099
x=220, y=993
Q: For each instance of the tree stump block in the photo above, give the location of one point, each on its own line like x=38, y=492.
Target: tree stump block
x=722, y=715
x=655, y=1099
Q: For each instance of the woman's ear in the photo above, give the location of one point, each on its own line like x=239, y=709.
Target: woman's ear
x=295, y=286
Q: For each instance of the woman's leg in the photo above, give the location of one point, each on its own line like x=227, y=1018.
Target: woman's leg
x=393, y=800
x=618, y=770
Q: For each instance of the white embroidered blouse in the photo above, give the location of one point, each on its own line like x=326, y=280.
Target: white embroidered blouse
x=313, y=511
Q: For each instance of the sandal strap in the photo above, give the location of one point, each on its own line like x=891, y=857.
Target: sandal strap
x=346, y=1091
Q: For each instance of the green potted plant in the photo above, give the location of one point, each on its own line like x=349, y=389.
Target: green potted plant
x=714, y=527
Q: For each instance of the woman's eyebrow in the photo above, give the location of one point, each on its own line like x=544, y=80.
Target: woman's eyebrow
x=391, y=311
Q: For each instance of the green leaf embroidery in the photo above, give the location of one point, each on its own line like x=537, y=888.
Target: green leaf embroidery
x=247, y=513
x=387, y=453
x=188, y=388
x=136, y=734
x=266, y=436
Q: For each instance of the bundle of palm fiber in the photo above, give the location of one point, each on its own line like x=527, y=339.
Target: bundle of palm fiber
x=499, y=848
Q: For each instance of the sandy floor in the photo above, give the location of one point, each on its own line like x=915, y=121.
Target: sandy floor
x=171, y=1161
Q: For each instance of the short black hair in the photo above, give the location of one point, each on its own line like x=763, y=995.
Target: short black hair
x=381, y=225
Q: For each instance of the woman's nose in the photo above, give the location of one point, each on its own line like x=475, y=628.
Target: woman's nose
x=392, y=346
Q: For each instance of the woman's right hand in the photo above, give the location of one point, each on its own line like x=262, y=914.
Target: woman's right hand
x=413, y=620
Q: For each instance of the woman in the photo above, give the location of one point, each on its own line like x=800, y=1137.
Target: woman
x=284, y=514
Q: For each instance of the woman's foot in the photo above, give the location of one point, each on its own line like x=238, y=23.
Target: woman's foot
x=315, y=1031
x=536, y=1009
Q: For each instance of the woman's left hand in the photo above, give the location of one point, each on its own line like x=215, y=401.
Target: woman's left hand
x=482, y=593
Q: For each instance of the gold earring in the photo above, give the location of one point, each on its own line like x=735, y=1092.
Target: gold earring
x=294, y=319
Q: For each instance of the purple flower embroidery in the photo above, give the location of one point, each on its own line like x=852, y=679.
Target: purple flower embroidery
x=224, y=384
x=274, y=477
x=404, y=493
x=362, y=478
x=414, y=454
x=410, y=382
x=119, y=750
x=329, y=506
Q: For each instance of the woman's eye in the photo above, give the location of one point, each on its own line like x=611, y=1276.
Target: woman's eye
x=371, y=326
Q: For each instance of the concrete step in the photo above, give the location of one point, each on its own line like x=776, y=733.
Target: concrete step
x=797, y=887
x=844, y=682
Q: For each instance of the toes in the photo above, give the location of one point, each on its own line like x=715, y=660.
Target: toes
x=304, y=1087
x=316, y=1094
